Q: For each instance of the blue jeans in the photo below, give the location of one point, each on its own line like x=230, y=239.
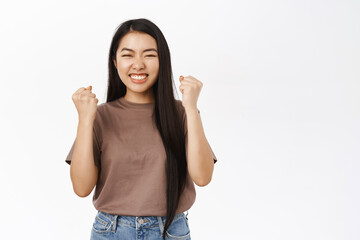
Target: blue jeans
x=109, y=226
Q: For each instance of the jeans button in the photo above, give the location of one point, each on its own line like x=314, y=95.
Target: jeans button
x=141, y=221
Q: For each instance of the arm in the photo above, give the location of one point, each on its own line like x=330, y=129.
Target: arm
x=83, y=171
x=200, y=160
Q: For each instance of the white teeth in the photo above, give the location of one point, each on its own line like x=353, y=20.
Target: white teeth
x=137, y=77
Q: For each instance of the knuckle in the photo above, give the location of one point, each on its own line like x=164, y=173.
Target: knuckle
x=82, y=97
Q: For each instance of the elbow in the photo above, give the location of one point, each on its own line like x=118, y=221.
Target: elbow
x=81, y=194
x=203, y=183
x=83, y=185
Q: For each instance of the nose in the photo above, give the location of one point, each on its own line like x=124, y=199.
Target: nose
x=138, y=63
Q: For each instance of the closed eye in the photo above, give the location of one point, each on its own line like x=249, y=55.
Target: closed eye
x=146, y=55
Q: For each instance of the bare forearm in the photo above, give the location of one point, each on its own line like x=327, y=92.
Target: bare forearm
x=83, y=171
x=200, y=160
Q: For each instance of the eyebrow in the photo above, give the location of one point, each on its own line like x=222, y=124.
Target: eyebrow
x=146, y=50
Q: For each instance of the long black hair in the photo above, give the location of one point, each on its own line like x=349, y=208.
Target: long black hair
x=167, y=113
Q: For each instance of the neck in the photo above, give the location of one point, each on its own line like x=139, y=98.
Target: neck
x=144, y=97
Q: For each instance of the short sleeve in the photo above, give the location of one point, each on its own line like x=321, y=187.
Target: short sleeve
x=185, y=129
x=96, y=151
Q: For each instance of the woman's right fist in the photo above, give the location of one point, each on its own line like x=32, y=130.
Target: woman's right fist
x=86, y=103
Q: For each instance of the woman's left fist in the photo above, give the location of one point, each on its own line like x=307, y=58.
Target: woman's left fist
x=190, y=88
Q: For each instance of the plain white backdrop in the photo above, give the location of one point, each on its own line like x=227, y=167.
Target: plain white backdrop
x=280, y=106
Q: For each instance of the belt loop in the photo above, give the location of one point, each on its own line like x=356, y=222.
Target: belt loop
x=187, y=212
x=161, y=224
x=136, y=223
x=114, y=222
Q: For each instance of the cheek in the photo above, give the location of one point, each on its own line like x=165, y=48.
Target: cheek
x=123, y=68
x=155, y=66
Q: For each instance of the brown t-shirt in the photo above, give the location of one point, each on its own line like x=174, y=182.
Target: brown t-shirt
x=130, y=156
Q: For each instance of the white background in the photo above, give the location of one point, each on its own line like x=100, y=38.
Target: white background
x=280, y=106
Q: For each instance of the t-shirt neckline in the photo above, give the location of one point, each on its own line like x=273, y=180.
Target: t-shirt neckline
x=129, y=104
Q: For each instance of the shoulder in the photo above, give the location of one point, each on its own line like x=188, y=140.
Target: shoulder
x=102, y=112
x=105, y=108
x=101, y=106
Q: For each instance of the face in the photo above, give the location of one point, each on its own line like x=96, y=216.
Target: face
x=137, y=57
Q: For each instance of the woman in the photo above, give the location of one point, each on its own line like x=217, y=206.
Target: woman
x=134, y=148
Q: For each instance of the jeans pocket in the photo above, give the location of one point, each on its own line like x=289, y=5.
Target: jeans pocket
x=102, y=223
x=179, y=229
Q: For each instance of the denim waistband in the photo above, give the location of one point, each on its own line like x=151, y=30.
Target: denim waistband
x=141, y=221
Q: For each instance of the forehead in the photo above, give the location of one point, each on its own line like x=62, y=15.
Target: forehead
x=137, y=41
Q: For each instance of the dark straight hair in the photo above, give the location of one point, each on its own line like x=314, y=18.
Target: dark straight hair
x=166, y=115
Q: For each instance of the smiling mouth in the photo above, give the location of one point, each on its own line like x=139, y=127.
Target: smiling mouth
x=138, y=76
x=138, y=79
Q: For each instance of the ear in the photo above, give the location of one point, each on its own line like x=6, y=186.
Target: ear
x=115, y=63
